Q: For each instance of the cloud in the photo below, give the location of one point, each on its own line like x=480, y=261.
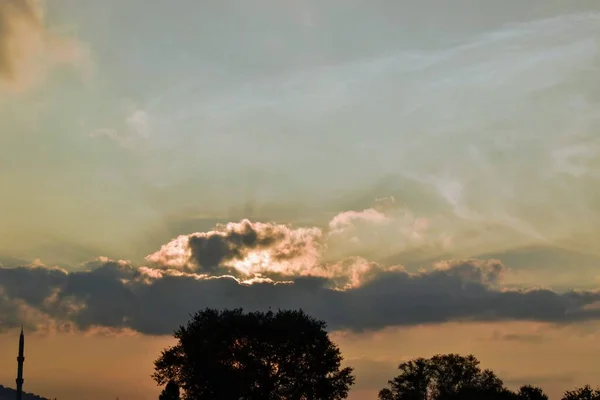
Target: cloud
x=28, y=48
x=261, y=265
x=137, y=127
x=119, y=295
x=243, y=248
x=260, y=250
x=384, y=229
x=542, y=380
x=523, y=338
x=350, y=219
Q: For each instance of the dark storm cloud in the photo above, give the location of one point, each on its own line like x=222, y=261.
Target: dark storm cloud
x=117, y=295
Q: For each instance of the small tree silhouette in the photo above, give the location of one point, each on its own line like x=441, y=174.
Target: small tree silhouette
x=529, y=392
x=444, y=377
x=272, y=356
x=582, y=393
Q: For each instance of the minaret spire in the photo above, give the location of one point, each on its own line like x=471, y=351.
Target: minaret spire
x=20, y=361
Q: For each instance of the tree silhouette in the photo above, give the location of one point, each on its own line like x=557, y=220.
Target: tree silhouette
x=582, y=393
x=171, y=392
x=444, y=377
x=250, y=356
x=529, y=392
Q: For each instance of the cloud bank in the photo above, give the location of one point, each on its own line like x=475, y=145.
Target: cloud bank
x=28, y=48
x=259, y=265
x=118, y=295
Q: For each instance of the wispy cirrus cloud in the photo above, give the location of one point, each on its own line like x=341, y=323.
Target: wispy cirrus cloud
x=464, y=122
x=136, y=127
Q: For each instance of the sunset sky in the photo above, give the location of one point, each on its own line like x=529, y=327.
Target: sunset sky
x=423, y=175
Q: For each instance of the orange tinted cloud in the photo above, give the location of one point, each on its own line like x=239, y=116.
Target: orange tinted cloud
x=246, y=248
x=28, y=48
x=251, y=250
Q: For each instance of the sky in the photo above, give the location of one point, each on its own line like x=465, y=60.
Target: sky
x=422, y=175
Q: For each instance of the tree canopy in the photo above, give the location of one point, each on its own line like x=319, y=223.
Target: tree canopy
x=582, y=393
x=442, y=377
x=231, y=354
x=529, y=392
x=287, y=355
x=451, y=377
x=170, y=392
x=455, y=377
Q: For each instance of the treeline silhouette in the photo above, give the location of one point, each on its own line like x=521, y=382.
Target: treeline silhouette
x=11, y=394
x=287, y=355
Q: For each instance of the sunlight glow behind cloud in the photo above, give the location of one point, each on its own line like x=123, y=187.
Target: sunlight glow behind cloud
x=227, y=154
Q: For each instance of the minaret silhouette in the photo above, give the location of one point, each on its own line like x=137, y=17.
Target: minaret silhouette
x=20, y=361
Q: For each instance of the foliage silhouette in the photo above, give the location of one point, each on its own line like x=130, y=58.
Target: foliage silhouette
x=529, y=392
x=452, y=377
x=250, y=356
x=443, y=377
x=171, y=392
x=582, y=393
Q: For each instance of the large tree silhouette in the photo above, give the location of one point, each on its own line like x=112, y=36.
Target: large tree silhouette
x=245, y=356
x=444, y=377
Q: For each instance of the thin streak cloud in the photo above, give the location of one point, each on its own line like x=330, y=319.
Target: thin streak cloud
x=464, y=121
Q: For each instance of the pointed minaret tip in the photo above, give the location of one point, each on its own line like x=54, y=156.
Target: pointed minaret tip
x=21, y=329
